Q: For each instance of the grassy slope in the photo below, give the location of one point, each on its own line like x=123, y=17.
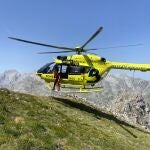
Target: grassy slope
x=30, y=122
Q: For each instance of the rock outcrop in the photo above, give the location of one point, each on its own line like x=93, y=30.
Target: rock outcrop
x=132, y=109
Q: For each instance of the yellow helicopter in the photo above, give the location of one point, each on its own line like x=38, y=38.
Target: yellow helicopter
x=81, y=71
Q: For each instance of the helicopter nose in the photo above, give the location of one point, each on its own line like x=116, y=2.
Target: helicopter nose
x=39, y=74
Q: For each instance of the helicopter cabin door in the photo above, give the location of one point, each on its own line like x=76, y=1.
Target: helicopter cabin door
x=76, y=75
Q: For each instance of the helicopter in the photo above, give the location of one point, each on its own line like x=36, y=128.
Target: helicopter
x=82, y=70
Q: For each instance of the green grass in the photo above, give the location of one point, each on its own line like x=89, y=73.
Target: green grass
x=41, y=123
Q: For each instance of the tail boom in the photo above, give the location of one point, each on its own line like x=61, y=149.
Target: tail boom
x=130, y=66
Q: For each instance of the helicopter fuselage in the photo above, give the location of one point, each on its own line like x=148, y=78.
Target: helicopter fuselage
x=84, y=69
x=75, y=69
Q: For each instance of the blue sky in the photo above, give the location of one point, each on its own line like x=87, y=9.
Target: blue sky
x=71, y=23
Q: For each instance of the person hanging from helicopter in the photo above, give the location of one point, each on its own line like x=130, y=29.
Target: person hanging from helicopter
x=57, y=76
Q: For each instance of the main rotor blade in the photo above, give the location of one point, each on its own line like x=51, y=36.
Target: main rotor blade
x=93, y=36
x=54, y=52
x=41, y=44
x=111, y=47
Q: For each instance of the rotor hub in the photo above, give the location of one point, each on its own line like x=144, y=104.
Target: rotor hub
x=79, y=50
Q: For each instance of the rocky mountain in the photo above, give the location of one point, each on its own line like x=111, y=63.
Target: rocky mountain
x=23, y=82
x=112, y=86
x=132, y=109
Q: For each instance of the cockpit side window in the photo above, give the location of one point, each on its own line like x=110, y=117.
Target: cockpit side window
x=50, y=68
x=46, y=68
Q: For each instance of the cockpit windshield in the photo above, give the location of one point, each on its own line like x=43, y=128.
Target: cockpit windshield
x=48, y=68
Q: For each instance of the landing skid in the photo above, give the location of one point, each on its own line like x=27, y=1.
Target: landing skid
x=79, y=89
x=68, y=88
x=85, y=90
